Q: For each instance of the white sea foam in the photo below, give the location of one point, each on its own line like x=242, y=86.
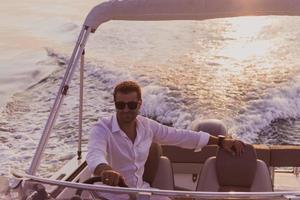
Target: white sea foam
x=159, y=103
x=277, y=103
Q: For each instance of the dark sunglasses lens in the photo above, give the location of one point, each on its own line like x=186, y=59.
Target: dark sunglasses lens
x=120, y=105
x=132, y=105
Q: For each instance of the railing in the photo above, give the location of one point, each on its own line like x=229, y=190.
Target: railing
x=147, y=193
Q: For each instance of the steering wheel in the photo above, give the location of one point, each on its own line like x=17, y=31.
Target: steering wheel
x=92, y=180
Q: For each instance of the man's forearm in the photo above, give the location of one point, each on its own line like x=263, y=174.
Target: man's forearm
x=100, y=168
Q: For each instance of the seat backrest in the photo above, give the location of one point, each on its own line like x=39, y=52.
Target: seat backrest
x=152, y=163
x=212, y=126
x=158, y=169
x=235, y=173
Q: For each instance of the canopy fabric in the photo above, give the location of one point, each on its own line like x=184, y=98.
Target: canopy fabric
x=153, y=10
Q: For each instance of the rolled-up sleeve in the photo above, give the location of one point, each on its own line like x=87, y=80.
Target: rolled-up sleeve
x=179, y=137
x=97, y=147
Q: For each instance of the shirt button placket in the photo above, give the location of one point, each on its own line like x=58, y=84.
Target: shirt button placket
x=134, y=149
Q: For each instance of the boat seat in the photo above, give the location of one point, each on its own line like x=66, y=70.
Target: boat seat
x=226, y=172
x=158, y=169
x=179, y=155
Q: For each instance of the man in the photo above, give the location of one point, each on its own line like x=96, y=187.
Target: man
x=119, y=145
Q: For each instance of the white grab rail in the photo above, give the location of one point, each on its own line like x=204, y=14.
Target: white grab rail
x=149, y=192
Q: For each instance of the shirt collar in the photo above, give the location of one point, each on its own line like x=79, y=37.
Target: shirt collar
x=115, y=125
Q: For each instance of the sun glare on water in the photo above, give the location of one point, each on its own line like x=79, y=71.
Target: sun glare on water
x=243, y=59
x=248, y=39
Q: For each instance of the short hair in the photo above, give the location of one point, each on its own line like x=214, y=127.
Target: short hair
x=126, y=87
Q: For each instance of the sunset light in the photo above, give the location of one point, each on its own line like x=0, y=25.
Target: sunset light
x=150, y=99
x=250, y=41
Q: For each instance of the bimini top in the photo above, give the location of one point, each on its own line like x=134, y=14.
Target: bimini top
x=154, y=10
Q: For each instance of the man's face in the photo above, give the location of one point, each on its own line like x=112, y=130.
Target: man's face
x=127, y=106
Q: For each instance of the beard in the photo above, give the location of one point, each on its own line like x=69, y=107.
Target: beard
x=127, y=117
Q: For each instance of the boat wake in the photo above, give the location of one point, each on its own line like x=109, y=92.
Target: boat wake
x=26, y=112
x=263, y=116
x=23, y=118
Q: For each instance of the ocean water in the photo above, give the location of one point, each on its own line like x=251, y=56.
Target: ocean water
x=244, y=71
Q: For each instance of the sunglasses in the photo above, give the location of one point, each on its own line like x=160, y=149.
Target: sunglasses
x=132, y=105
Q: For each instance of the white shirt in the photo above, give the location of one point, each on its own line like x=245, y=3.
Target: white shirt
x=110, y=145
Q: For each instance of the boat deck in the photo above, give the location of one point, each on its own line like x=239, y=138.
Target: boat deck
x=286, y=181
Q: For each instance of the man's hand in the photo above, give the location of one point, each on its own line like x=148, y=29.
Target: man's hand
x=236, y=147
x=113, y=178
x=109, y=176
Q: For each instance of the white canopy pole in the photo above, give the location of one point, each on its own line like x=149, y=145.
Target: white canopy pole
x=147, y=10
x=80, y=104
x=62, y=92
